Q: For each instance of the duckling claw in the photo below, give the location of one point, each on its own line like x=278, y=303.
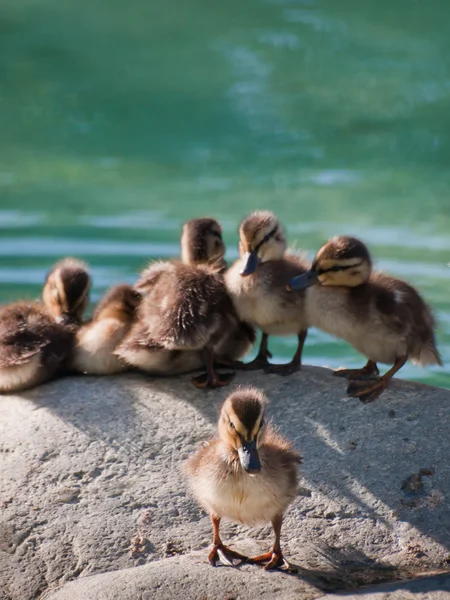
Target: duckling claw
x=226, y=556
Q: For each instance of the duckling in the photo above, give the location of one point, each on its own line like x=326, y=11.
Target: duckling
x=248, y=474
x=66, y=291
x=186, y=314
x=201, y=243
x=382, y=317
x=35, y=338
x=96, y=340
x=257, y=285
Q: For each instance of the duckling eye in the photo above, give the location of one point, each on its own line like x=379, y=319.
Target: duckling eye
x=232, y=426
x=335, y=268
x=261, y=424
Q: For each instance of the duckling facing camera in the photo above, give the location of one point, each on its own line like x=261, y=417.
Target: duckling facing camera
x=248, y=474
x=36, y=339
x=97, y=340
x=257, y=285
x=382, y=317
x=186, y=319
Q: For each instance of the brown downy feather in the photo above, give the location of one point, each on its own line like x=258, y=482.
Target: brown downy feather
x=383, y=317
x=66, y=290
x=37, y=339
x=97, y=340
x=33, y=346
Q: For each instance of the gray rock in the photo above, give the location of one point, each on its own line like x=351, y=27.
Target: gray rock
x=91, y=484
x=436, y=587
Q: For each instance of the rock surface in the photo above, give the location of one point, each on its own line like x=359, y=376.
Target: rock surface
x=91, y=484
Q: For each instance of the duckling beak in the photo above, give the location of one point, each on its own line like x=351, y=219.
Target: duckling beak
x=248, y=455
x=303, y=281
x=251, y=261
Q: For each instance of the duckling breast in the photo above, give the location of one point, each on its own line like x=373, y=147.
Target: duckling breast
x=233, y=494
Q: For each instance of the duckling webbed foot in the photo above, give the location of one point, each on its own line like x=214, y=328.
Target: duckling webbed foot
x=274, y=560
x=225, y=555
x=368, y=391
x=369, y=371
x=296, y=362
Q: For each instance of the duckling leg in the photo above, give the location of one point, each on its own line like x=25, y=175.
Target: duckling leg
x=368, y=391
x=296, y=362
x=211, y=379
x=368, y=371
x=275, y=558
x=261, y=359
x=219, y=551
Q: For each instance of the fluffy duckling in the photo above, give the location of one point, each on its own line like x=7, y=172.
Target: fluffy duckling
x=248, y=474
x=202, y=244
x=66, y=291
x=186, y=314
x=257, y=286
x=382, y=317
x=36, y=339
x=96, y=340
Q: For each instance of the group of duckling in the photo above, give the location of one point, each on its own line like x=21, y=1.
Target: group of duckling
x=185, y=315
x=197, y=313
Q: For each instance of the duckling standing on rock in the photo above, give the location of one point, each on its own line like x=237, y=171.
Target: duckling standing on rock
x=96, y=340
x=257, y=285
x=249, y=475
x=186, y=318
x=36, y=339
x=382, y=317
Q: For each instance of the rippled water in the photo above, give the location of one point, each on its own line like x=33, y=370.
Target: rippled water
x=118, y=127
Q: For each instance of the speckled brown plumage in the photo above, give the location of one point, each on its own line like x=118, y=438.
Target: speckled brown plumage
x=97, y=340
x=186, y=309
x=381, y=316
x=37, y=339
x=260, y=295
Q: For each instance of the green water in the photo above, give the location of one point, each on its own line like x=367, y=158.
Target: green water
x=119, y=120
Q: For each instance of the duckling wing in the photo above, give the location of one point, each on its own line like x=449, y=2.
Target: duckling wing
x=18, y=348
x=185, y=309
x=403, y=311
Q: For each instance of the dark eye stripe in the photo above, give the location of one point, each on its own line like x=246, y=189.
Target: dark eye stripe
x=266, y=238
x=338, y=268
x=216, y=234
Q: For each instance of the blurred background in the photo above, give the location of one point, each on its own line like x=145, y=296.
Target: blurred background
x=120, y=120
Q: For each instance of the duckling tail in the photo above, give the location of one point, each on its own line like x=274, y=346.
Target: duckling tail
x=428, y=354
